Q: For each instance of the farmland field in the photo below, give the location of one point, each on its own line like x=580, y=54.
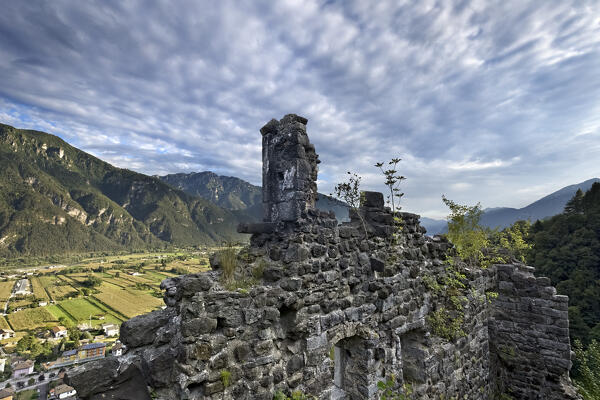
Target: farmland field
x=81, y=309
x=38, y=289
x=58, y=313
x=118, y=294
x=14, y=303
x=128, y=302
x=4, y=323
x=6, y=289
x=31, y=318
x=57, y=288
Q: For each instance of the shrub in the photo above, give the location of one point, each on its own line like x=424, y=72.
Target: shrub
x=586, y=371
x=228, y=260
x=465, y=232
x=226, y=378
x=387, y=390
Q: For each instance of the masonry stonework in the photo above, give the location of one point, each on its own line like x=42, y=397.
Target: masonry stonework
x=336, y=309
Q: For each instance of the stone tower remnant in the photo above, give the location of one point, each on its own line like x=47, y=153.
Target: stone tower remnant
x=334, y=309
x=289, y=169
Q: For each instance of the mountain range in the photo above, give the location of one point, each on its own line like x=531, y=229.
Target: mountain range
x=501, y=217
x=237, y=195
x=56, y=199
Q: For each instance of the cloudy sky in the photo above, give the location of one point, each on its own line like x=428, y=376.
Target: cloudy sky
x=490, y=101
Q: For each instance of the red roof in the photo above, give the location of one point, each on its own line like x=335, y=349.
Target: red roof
x=59, y=328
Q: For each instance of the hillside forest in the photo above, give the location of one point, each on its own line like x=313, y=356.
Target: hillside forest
x=565, y=248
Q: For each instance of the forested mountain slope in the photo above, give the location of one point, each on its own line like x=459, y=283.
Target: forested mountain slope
x=566, y=248
x=55, y=198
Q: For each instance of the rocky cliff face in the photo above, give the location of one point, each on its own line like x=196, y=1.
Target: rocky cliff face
x=338, y=308
x=239, y=196
x=225, y=191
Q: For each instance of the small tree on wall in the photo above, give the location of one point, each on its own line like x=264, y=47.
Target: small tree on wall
x=392, y=181
x=349, y=192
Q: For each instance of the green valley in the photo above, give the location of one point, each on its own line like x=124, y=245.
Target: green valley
x=95, y=291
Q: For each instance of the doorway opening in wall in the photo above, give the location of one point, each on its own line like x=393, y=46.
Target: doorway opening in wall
x=354, y=369
x=413, y=356
x=340, y=360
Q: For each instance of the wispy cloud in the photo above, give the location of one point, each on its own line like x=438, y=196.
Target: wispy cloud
x=481, y=99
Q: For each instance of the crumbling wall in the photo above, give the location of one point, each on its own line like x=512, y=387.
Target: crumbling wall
x=530, y=336
x=335, y=310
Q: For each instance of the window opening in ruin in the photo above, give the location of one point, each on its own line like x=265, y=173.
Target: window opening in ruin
x=413, y=356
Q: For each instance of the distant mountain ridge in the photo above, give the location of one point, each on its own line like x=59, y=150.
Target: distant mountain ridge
x=225, y=191
x=237, y=195
x=55, y=198
x=545, y=207
x=501, y=217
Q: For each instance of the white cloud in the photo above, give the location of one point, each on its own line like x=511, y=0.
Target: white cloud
x=481, y=99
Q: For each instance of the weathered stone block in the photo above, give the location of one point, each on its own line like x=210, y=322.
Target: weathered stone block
x=141, y=330
x=373, y=199
x=198, y=326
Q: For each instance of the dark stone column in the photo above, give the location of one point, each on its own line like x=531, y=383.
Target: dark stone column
x=289, y=169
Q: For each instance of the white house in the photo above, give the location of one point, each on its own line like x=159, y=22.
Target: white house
x=118, y=349
x=110, y=330
x=59, y=331
x=23, y=368
x=6, y=333
x=63, y=391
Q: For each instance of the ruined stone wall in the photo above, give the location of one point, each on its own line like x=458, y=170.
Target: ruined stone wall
x=335, y=309
x=529, y=332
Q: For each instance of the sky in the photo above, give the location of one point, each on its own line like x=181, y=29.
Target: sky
x=489, y=101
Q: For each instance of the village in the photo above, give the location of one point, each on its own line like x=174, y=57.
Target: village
x=56, y=317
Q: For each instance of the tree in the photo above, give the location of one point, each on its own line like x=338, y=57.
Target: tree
x=575, y=205
x=464, y=230
x=566, y=248
x=349, y=192
x=586, y=370
x=66, y=322
x=512, y=242
x=74, y=333
x=392, y=181
x=92, y=281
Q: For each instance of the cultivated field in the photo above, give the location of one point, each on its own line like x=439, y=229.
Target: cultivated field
x=31, y=318
x=56, y=287
x=128, y=302
x=99, y=290
x=5, y=289
x=81, y=310
x=4, y=323
x=38, y=289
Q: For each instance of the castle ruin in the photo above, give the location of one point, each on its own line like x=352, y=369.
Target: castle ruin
x=335, y=309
